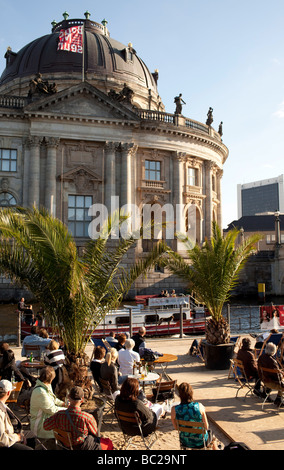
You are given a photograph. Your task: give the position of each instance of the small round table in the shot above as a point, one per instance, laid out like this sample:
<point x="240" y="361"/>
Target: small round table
<point x="37" y="365"/>
<point x="164" y="360"/>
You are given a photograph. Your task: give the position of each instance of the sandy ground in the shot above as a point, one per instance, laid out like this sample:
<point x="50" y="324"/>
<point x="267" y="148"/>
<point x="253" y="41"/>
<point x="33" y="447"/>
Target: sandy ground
<point x="167" y="435"/>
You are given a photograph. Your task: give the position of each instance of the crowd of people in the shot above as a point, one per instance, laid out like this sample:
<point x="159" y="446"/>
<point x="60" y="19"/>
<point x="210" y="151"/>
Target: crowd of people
<point x="47" y="412"/>
<point x="263" y="370"/>
<point x="115" y="365"/>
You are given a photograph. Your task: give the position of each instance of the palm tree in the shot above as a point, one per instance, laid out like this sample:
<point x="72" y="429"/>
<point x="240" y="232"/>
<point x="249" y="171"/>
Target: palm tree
<point x="212" y="272"/>
<point x="39" y="252"/>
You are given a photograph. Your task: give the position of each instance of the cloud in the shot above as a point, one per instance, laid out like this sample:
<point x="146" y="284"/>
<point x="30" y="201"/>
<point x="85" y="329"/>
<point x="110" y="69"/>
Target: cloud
<point x="280" y="113"/>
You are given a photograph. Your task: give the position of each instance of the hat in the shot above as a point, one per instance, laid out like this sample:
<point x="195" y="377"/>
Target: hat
<point x="76" y="393"/>
<point x="6" y="386"/>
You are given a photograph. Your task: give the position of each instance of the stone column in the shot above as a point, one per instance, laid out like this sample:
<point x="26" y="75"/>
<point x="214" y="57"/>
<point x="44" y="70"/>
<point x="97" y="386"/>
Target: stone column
<point x="127" y="150"/>
<point x="26" y="181"/>
<point x="208" y="165"/>
<point x="50" y="175"/>
<point x="219" y="176"/>
<point x="110" y="173"/>
<point x="34" y="171"/>
<point x="178" y="190"/>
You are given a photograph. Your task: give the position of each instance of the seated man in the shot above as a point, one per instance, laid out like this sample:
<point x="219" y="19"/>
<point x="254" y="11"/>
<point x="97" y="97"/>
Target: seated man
<point x="267" y="361"/>
<point x="9" y="439"/>
<point x="34" y="339"/>
<point x="139" y="339"/>
<point x="246" y="355"/>
<point x="80" y="424"/>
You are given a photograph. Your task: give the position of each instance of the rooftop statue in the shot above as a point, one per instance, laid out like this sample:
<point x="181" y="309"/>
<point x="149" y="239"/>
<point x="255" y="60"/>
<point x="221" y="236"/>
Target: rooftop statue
<point x="179" y="101"/>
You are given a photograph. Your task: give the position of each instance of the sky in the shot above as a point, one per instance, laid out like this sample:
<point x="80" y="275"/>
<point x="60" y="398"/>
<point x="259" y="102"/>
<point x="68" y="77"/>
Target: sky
<point x="222" y="54"/>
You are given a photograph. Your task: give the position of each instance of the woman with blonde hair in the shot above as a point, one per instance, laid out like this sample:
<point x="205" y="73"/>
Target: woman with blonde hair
<point x="109" y="371"/>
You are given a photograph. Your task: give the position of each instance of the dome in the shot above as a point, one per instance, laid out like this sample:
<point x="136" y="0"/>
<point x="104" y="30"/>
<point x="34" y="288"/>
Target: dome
<point x="106" y="61"/>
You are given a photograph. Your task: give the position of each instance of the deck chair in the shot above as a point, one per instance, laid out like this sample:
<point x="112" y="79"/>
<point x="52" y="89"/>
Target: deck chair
<point x="106" y="344"/>
<point x="268" y="386"/>
<point x="190" y="427"/>
<point x="63" y="439"/>
<point x="108" y="397"/>
<point x="97" y="342"/>
<point x="33" y="348"/>
<point x="124" y="418"/>
<point x="274" y="338"/>
<point x="241" y="377"/>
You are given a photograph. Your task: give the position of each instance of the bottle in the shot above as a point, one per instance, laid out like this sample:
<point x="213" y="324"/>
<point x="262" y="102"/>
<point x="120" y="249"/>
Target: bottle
<point x="31" y="357"/>
<point x="13" y="378"/>
<point x="134" y="368"/>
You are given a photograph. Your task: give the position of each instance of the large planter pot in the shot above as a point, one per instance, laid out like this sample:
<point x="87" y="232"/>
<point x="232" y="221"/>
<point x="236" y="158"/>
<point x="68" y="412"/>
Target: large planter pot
<point x="217" y="357"/>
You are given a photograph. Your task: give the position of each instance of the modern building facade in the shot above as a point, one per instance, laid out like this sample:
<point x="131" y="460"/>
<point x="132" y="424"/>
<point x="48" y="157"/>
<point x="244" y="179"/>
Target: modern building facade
<point x="81" y="129"/>
<point x="261" y="197"/>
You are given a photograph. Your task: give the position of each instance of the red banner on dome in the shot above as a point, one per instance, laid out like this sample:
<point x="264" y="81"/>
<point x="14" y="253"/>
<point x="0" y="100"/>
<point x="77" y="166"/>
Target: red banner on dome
<point x="71" y="39"/>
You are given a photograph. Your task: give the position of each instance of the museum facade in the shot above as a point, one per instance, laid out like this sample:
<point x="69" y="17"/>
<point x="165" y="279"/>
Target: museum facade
<point x="78" y="129"/>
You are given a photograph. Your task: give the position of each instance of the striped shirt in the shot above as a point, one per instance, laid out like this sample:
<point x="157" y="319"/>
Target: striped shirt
<point x="55" y="358"/>
<point x="84" y="424"/>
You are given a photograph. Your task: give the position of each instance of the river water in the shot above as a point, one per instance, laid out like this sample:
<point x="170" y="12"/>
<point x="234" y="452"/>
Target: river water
<point x="246" y="318"/>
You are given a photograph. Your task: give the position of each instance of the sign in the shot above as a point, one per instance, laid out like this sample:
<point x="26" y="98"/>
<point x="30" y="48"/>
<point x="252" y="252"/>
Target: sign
<point x="71" y="39"/>
<point x="168" y="301"/>
<point x="271" y="317"/>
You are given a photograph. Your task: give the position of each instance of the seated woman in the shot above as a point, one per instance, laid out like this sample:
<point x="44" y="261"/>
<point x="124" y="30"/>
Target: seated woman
<point x="126" y="359"/>
<point x="43" y="405"/>
<point x="189" y="410"/>
<point x="55" y="358"/>
<point x="109" y="371"/>
<point x="95" y="366"/>
<point x="128" y="401"/>
<point x="8" y="367"/>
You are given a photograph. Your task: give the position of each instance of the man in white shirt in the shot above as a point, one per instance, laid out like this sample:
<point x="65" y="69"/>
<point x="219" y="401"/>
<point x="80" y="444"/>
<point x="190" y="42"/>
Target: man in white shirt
<point x="8" y="437"/>
<point x="126" y="359"/>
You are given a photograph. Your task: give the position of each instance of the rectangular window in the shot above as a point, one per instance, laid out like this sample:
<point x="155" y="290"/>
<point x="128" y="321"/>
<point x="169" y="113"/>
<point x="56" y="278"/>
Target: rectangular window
<point x="8" y="160"/>
<point x="192" y="177"/>
<point x="152" y="170"/>
<point x="78" y="218"/>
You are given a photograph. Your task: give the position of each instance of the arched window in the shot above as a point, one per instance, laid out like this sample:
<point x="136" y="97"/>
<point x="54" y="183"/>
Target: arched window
<point x="7" y="199"/>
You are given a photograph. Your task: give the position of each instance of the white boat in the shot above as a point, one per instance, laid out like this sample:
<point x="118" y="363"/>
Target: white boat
<point x="160" y="317"/>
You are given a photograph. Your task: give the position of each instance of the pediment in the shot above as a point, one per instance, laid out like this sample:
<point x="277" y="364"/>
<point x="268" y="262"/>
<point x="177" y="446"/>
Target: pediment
<point x="82" y="100"/>
<point x="82" y="170"/>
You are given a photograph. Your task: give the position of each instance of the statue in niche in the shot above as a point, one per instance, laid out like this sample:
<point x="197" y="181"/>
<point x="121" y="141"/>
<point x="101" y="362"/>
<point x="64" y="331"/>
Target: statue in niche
<point x="38" y="86"/>
<point x="209" y="117"/>
<point x="179" y="102"/>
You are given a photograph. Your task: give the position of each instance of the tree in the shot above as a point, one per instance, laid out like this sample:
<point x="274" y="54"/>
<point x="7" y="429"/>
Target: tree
<point x="212" y="272"/>
<point x="39" y="252"/>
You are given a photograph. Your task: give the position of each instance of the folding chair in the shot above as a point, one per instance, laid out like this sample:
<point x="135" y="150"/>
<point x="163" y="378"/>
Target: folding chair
<point x="108" y="396"/>
<point x="191" y="427"/>
<point x="63" y="439"/>
<point x="268" y="385"/>
<point x="126" y="418"/>
<point x="14" y="395"/>
<point x="164" y="391"/>
<point x="241" y="377"/>
<point x="237" y="341"/>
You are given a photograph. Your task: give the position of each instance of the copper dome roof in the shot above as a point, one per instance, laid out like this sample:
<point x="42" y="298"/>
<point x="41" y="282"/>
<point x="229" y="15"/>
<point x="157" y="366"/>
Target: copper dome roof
<point x="103" y="57"/>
